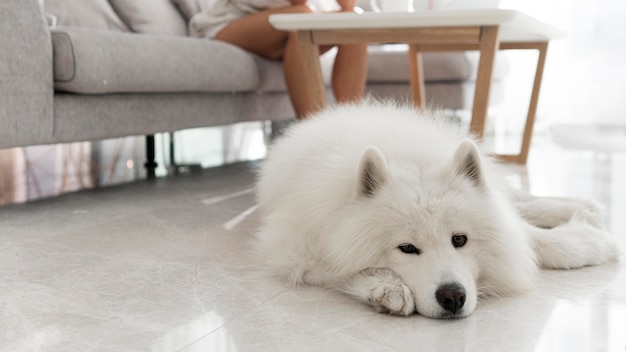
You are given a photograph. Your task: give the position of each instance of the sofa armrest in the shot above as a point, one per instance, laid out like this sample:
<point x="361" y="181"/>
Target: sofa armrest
<point x="26" y="87"/>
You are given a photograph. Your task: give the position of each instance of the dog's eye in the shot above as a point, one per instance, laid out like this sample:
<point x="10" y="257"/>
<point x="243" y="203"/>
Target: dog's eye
<point x="409" y="249"/>
<point x="459" y="240"/>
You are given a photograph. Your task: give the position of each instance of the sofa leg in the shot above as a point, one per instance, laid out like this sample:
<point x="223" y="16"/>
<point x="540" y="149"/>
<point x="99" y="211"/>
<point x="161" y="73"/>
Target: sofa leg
<point x="150" y="164"/>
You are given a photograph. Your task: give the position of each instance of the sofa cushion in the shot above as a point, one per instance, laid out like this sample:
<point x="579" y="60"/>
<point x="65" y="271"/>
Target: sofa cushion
<point x="272" y="77"/>
<point x="389" y="63"/>
<point x="99" y="61"/>
<point x="151" y="16"/>
<point x="85" y="13"/>
<point x="386" y="64"/>
<point x="191" y="7"/>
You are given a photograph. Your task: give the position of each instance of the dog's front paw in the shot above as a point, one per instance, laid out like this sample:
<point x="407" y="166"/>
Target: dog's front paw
<point x="383" y="289"/>
<point x="393" y="299"/>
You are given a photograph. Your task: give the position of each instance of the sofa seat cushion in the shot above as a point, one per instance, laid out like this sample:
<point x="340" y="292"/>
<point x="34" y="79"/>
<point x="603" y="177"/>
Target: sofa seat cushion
<point x="389" y="63"/>
<point x="191" y="7"/>
<point x="386" y="64"/>
<point x="93" y="61"/>
<point x="272" y="77"/>
<point x="151" y="16"/>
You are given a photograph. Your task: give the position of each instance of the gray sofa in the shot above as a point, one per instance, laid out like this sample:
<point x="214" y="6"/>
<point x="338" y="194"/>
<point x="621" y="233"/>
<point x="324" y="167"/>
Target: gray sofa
<point x="114" y="68"/>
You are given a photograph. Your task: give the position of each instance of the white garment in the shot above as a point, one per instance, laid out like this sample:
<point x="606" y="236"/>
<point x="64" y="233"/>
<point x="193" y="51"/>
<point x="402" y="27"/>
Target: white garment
<point x="209" y="22"/>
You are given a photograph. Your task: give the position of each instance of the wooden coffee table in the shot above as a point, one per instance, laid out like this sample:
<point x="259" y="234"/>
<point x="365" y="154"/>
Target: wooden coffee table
<point x="439" y="30"/>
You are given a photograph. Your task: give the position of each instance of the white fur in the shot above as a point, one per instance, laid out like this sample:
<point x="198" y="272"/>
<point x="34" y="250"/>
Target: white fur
<point x="343" y="190"/>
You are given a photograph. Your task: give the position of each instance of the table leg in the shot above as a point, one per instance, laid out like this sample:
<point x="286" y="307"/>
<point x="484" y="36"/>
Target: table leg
<point x="534" y="99"/>
<point x="488" y="46"/>
<point x="542" y="48"/>
<point x="311" y="62"/>
<point x="416" y="76"/>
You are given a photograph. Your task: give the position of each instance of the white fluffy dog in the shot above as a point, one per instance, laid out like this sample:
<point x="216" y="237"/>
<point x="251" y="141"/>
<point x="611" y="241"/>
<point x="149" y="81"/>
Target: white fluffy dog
<point x="401" y="210"/>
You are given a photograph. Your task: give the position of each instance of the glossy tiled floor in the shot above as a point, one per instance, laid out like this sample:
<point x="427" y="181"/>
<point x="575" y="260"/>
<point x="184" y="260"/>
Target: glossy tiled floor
<point x="165" y="266"/>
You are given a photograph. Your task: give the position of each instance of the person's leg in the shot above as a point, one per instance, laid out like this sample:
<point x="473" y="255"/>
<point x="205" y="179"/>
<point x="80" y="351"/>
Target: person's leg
<point x="350" y="73"/>
<point x="295" y="77"/>
<point x="254" y="33"/>
<point x="350" y="69"/>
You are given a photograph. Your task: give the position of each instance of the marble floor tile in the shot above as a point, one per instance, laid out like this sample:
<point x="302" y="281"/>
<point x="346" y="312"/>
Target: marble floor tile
<point x="166" y="265"/>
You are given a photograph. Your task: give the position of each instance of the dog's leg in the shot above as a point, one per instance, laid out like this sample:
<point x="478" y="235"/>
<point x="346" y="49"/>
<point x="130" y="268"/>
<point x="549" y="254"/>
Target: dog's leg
<point x="573" y="245"/>
<point x="383" y="289"/>
<point x="549" y="212"/>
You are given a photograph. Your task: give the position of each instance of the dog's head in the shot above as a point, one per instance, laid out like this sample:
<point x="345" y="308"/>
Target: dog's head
<point x="441" y="229"/>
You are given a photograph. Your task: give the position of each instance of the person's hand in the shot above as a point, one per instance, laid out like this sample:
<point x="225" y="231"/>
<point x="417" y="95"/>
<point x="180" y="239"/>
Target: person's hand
<point x="347" y="5"/>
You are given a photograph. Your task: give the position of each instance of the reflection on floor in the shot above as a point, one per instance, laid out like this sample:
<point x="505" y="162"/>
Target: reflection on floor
<point x="37" y="172"/>
<point x="164" y="265"/>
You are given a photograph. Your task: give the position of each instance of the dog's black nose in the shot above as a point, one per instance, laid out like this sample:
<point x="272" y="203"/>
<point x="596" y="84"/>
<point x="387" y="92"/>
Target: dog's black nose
<point x="451" y="297"/>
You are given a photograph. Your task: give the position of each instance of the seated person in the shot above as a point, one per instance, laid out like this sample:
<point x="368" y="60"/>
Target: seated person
<point x="245" y="23"/>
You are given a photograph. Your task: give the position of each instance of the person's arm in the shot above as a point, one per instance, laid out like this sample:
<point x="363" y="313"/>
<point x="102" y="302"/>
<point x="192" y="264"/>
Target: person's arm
<point x="297" y="2"/>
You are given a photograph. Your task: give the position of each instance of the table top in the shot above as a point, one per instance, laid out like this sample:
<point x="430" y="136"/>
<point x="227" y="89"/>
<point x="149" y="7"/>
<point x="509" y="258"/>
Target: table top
<point x="515" y="26"/>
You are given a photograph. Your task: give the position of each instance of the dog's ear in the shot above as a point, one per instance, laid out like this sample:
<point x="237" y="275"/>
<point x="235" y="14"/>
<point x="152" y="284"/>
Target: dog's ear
<point x="372" y="173"/>
<point x="467" y="163"/>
